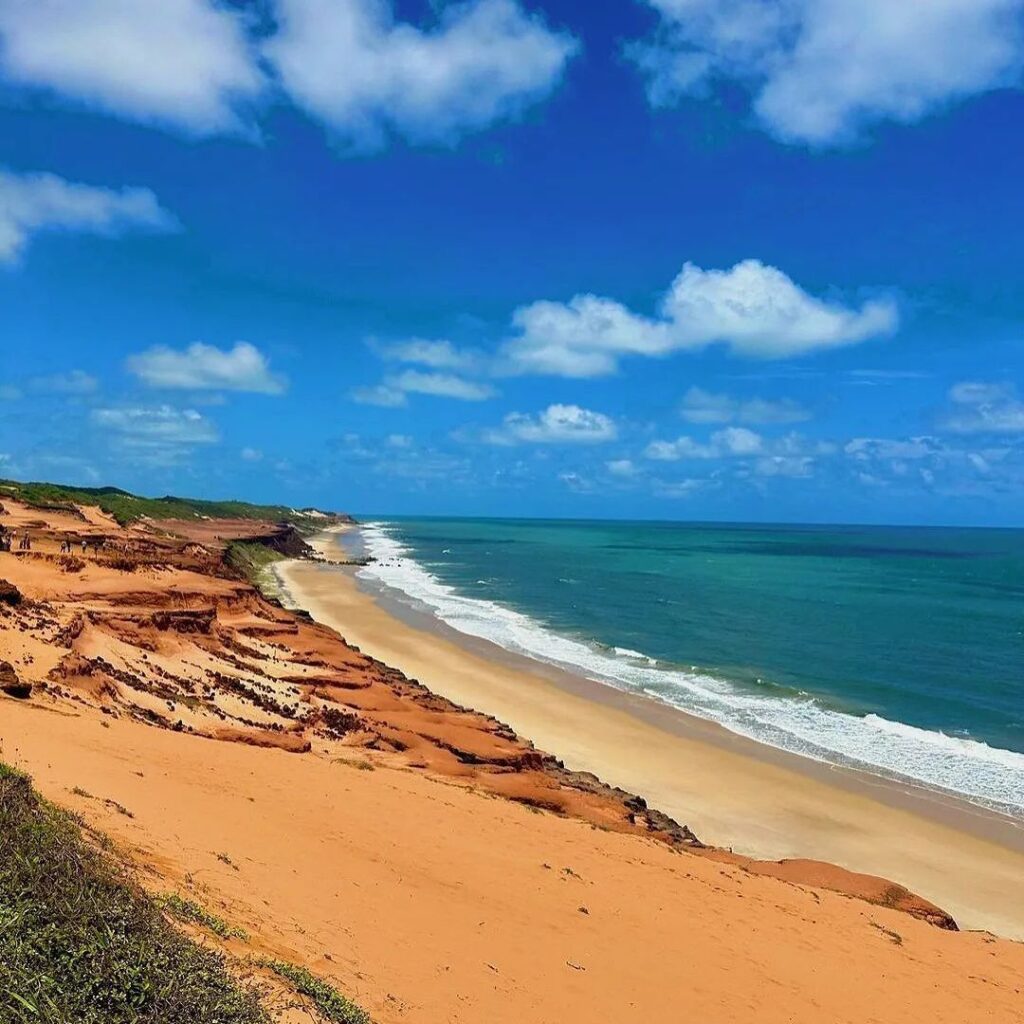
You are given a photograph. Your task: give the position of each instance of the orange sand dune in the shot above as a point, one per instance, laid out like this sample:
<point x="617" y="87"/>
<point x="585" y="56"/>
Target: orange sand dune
<point x="426" y="858"/>
<point x="435" y="903"/>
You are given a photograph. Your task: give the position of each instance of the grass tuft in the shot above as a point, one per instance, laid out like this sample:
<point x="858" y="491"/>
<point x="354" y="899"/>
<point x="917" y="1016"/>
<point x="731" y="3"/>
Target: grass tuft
<point x="192" y="913"/>
<point x="81" y="942"/>
<point x="362" y="764"/>
<point x="328" y="1000"/>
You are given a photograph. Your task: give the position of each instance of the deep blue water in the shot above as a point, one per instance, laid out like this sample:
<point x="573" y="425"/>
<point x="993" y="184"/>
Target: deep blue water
<point x="831" y="641"/>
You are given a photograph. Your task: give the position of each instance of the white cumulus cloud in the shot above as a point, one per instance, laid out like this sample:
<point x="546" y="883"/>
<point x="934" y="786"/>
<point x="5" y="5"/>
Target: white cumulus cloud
<point x="732" y="441"/>
<point x="187" y="64"/>
<point x="557" y="424"/>
<point x="368" y="76"/>
<point x="31" y="203"/>
<point x="821" y="71"/>
<point x="754" y="309"/>
<point x="203" y="367"/>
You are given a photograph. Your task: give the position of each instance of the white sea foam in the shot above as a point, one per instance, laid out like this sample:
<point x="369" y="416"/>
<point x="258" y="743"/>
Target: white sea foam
<point x="626" y="652"/>
<point x="986" y="775"/>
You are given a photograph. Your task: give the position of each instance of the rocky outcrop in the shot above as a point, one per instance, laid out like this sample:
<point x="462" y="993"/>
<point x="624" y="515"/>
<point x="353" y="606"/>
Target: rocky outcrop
<point x="9" y="594"/>
<point x="11" y="684"/>
<point x="289" y="542"/>
<point x="186" y="621"/>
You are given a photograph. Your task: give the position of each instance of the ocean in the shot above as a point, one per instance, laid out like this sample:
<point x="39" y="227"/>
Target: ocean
<point x="899" y="651"/>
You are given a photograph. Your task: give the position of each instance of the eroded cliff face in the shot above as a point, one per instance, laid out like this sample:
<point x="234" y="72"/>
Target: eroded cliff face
<point x="149" y="624"/>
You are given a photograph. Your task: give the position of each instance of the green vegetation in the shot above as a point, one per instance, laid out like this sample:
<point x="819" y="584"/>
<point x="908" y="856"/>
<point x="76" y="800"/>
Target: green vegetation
<point x="192" y="913"/>
<point x="329" y="1001"/>
<point x="79" y="941"/>
<point x="126" y="508"/>
<point x="252" y="560"/>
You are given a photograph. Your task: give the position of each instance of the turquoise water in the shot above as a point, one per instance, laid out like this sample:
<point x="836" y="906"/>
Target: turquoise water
<point x="896" y="650"/>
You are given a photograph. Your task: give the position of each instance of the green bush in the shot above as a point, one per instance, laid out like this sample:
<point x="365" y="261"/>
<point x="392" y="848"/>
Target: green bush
<point x="328" y="1000"/>
<point x="190" y="912"/>
<point x="251" y="560"/>
<point x="81" y="942"/>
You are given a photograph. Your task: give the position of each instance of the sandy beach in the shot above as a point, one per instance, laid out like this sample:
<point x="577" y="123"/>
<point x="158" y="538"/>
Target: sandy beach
<point x="430" y="861"/>
<point x="732" y="792"/>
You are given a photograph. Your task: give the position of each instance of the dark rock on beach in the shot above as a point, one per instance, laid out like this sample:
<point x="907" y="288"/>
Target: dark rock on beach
<point x="11" y="684"/>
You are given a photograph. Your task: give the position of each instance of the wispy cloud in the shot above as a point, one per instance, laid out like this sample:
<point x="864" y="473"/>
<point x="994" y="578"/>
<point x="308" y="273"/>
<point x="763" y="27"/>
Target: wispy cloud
<point x="700" y="406"/>
<point x="889" y="376"/>
<point x="159" y="426"/>
<point x="32" y="203"/>
<point x="623" y="468"/>
<point x="394" y="390"/>
<point x="980" y="407"/>
<point x="203" y="367"/>
<point x="440" y="385"/>
<point x="74" y="382"/>
<point x="577" y="483"/>
<point x="685" y="488"/>
<point x="380" y="395"/>
<point x="437" y="355"/>
<point x="822" y="71"/>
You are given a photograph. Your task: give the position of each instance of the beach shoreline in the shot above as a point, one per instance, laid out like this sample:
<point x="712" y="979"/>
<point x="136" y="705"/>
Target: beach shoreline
<point x="732" y="791"/>
<point x="325" y="810"/>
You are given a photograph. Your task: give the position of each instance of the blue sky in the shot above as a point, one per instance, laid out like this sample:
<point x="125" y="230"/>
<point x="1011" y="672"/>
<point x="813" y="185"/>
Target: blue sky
<point x="643" y="258"/>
